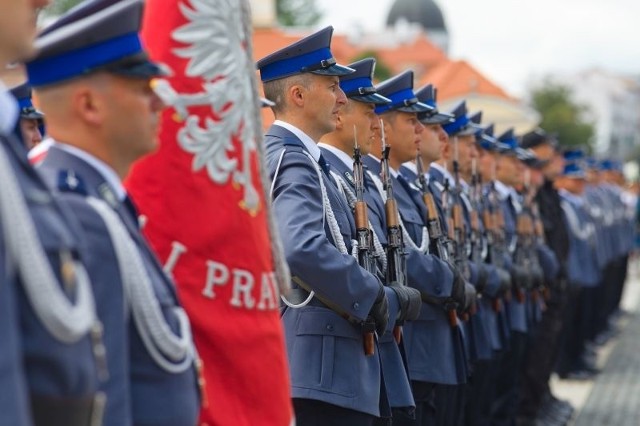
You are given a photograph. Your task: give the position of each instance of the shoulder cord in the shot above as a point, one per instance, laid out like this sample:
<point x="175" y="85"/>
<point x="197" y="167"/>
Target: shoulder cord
<point x="173" y="353"/>
<point x="327" y="214"/>
<point x="65" y="321"/>
<point x="424" y="246"/>
<point x="581" y="232"/>
<point x="351" y="199"/>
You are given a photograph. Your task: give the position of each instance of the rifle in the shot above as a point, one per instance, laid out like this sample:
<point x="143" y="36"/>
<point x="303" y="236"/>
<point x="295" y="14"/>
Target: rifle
<point x="364" y="238"/>
<point x="438" y="242"/>
<point x="494" y="217"/>
<point x="524" y="231"/>
<point x="396" y="266"/>
<point x="456" y="219"/>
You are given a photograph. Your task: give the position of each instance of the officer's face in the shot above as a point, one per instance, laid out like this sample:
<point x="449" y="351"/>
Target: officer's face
<point x="509" y="170"/>
<point x="467" y="152"/>
<point x="403" y="135"/>
<point x="322" y="100"/>
<point x="366" y="122"/>
<point x="432" y="140"/>
<point x="30" y="132"/>
<point x="486" y="164"/>
<point x="18" y="28"/>
<point x="131" y="117"/>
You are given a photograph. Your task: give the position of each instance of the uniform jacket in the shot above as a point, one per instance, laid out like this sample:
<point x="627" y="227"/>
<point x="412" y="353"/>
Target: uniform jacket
<point x="435" y="351"/>
<point x="156" y="397"/>
<point x="52" y="369"/>
<point x="325" y="351"/>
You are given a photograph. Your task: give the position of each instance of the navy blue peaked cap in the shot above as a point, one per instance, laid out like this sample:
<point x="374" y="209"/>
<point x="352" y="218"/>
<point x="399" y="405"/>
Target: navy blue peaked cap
<point x="310" y="54"/>
<point x="429" y="95"/>
<point x="509" y="145"/>
<point x="22" y="93"/>
<point x="537" y="137"/>
<point x="400" y="90"/>
<point x="359" y="85"/>
<point x="574" y="169"/>
<point x="97" y="35"/>
<point x="461" y="125"/>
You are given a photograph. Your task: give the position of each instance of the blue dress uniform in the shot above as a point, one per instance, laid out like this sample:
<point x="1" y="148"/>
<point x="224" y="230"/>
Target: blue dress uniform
<point x="324" y="344"/>
<point x="435" y="351"/>
<point x="583" y="275"/>
<point x="359" y="87"/>
<point x="510" y="375"/>
<point x="51" y="303"/>
<point x="480" y="335"/>
<point x="14" y="403"/>
<point x="146" y="385"/>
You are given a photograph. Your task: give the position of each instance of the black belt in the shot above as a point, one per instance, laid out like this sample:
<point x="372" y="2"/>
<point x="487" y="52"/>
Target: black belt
<point x="80" y="411"/>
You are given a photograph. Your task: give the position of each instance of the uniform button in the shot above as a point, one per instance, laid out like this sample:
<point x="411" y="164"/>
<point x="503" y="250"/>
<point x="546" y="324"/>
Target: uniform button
<point x="330" y="327"/>
<point x="356" y="306"/>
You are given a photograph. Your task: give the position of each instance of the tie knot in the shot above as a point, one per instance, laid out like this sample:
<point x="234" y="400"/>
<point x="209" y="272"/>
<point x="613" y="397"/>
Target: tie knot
<point x="324" y="165"/>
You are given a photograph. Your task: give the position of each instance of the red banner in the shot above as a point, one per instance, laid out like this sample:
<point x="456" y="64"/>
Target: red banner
<point x="203" y="199"/>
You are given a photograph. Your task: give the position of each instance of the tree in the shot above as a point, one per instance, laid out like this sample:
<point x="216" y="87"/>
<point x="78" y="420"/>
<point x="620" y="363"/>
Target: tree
<point x="292" y="13"/>
<point x="382" y="71"/>
<point x="562" y="115"/>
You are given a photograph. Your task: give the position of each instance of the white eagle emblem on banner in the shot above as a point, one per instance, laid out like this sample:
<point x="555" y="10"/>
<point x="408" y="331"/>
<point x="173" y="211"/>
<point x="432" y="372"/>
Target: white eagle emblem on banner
<point x="216" y="52"/>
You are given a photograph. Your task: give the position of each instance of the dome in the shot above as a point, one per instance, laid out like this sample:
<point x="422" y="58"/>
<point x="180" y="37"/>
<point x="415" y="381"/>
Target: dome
<point x="423" y="12"/>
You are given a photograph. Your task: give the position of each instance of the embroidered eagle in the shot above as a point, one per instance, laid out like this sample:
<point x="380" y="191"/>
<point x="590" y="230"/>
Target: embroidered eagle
<point x="215" y="47"/>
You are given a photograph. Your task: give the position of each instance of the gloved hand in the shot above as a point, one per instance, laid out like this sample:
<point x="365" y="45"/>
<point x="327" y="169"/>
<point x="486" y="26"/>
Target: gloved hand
<point x="458" y="292"/>
<point x="505" y="281"/>
<point x="483" y="277"/>
<point x="469" y="298"/>
<point x="537" y="276"/>
<point x="520" y="278"/>
<point x="410" y="301"/>
<point x="380" y="312"/>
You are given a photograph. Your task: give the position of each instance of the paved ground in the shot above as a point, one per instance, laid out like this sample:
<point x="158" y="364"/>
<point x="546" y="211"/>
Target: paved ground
<point x="613" y="399"/>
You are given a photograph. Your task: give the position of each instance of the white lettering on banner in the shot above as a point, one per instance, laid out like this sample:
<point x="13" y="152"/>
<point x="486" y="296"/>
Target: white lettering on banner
<point x="217" y="274"/>
<point x="242" y="285"/>
<point x="268" y="292"/>
<point x="243" y="282"/>
<point x="177" y="250"/>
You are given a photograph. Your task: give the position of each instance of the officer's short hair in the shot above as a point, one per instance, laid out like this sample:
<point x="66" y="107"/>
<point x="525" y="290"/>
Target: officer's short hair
<point x="275" y="90"/>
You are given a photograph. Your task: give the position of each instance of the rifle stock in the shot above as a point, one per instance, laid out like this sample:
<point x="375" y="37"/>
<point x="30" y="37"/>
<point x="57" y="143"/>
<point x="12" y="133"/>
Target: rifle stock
<point x="364" y="238"/>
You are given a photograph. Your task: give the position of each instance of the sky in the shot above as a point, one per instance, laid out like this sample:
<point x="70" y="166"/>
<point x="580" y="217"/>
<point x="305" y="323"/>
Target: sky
<point x="516" y="42"/>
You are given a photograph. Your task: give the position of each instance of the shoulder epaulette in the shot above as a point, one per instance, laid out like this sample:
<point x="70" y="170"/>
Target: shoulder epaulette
<point x="69" y="181"/>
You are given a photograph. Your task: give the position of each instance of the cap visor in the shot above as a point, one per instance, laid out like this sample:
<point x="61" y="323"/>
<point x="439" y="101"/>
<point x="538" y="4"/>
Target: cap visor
<point x="417" y="107"/>
<point x="335" y="69"/>
<point x="466" y="131"/>
<point x="438" y="118"/>
<point x="32" y="115"/>
<point x="372" y="98"/>
<point x="145" y="69"/>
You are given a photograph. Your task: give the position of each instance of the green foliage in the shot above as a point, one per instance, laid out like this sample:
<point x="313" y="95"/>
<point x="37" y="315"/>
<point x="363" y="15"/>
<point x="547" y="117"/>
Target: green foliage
<point x="562" y="115"/>
<point x="294" y="13"/>
<point x="58" y="7"/>
<point x="381" y="71"/>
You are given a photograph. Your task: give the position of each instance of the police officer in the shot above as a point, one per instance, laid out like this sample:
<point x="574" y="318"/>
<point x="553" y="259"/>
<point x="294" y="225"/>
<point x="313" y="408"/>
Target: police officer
<point x="103" y="115"/>
<point x="509" y="172"/>
<point x="329" y="314"/>
<point x="358" y="121"/>
<point x="435" y="349"/>
<point x="47" y="308"/>
<point x="30" y="127"/>
<point x="583" y="273"/>
<point x="543" y="354"/>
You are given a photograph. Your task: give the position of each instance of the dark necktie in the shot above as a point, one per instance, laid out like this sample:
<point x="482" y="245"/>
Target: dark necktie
<point x="131" y="209"/>
<point x="324" y="165"/>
